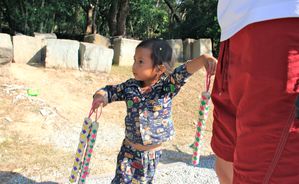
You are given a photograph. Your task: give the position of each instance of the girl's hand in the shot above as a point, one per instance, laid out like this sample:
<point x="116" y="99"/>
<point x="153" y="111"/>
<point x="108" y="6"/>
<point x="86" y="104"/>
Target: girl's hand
<point x="97" y="101"/>
<point x="205" y="60"/>
<point x="99" y="98"/>
<point x="210" y="64"/>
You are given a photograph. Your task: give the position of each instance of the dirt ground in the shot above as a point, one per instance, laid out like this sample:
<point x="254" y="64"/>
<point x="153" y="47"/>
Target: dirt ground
<point x="39" y="135"/>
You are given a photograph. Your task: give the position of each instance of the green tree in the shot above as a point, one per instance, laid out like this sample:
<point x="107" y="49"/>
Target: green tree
<point x="147" y="19"/>
<point x="130" y="18"/>
<point x="199" y="20"/>
<point x="42" y="16"/>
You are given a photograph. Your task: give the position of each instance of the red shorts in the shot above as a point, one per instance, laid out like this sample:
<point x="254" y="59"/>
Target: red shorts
<point x="255" y="88"/>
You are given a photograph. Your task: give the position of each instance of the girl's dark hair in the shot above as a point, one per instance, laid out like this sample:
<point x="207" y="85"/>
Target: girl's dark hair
<point x="161" y="52"/>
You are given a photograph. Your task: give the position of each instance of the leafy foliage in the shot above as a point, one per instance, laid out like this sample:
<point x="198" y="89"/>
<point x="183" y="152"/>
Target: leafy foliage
<point x="151" y="18"/>
<point x="147" y="19"/>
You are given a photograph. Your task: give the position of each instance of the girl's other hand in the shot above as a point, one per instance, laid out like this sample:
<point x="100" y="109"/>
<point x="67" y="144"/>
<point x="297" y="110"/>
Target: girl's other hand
<point x="210" y="64"/>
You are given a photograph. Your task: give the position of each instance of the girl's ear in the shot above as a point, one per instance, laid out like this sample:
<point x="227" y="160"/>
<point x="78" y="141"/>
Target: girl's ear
<point x="161" y="69"/>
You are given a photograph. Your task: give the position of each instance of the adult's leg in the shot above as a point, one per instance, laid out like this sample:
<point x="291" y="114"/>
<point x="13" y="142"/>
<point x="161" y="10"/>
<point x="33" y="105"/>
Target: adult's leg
<point x="224" y="125"/>
<point x="224" y="170"/>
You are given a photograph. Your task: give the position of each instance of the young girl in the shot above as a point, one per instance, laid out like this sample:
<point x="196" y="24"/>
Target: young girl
<point x="148" y="97"/>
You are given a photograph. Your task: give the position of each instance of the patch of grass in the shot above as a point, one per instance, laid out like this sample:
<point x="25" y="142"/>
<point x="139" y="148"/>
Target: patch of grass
<point x="23" y="156"/>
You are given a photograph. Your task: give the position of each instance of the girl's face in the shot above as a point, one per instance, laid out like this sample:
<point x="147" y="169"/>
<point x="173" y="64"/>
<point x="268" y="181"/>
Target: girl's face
<point x="143" y="67"/>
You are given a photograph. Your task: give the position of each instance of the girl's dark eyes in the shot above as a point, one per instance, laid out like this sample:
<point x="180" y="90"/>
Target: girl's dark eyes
<point x="138" y="61"/>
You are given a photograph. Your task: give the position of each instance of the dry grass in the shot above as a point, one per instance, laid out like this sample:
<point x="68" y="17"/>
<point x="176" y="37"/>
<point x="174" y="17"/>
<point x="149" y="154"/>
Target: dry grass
<point x="30" y="158"/>
<point x="70" y="93"/>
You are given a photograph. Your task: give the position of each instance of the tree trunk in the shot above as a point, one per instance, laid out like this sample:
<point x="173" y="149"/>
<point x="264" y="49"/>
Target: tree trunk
<point x="173" y="13"/>
<point x="158" y="3"/>
<point x="89" y="13"/>
<point x="112" y="21"/>
<point x="122" y="17"/>
<point x="132" y="29"/>
<point x="94" y="26"/>
<point x="41" y="25"/>
<point x="52" y="24"/>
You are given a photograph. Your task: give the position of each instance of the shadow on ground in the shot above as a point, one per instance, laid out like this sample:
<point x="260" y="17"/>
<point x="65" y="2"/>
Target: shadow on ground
<point x="16" y="178"/>
<point x="171" y="156"/>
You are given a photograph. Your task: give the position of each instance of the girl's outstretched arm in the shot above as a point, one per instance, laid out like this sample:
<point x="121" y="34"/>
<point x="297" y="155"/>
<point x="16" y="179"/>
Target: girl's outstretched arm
<point x="205" y="60"/>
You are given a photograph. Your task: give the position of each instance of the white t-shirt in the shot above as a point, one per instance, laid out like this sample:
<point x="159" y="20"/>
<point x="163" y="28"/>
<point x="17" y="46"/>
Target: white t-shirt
<point x="233" y="15"/>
